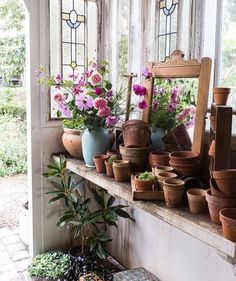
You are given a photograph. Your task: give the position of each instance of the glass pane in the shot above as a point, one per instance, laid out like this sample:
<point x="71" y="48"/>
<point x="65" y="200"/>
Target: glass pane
<point x="162" y="27"/>
<point x="162" y="47"/>
<point x="173" y="42"/>
<point x="80" y="34"/>
<point x="92" y="30"/>
<point x="174" y="18"/>
<point x="66" y="53"/>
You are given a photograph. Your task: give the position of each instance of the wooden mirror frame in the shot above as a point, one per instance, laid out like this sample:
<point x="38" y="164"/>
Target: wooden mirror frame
<point x="178" y="67"/>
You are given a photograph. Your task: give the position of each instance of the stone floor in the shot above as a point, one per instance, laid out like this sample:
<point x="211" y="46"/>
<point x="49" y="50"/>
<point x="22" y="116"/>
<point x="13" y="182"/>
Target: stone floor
<point x="14" y="256"/>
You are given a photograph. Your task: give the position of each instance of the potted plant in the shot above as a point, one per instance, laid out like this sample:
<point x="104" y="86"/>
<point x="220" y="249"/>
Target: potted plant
<point x="52" y="265"/>
<point x="87" y="223"/>
<point x="144" y="181"/>
<point x="108" y="164"/>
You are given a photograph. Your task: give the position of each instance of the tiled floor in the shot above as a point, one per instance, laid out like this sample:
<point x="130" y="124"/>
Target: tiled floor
<point x="14" y="256"/>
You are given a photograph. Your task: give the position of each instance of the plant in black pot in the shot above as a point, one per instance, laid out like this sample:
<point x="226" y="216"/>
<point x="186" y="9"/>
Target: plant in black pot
<point x="89" y="224"/>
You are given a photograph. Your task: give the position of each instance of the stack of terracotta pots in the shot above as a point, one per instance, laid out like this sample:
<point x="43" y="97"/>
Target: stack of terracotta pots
<point x="136" y="147"/>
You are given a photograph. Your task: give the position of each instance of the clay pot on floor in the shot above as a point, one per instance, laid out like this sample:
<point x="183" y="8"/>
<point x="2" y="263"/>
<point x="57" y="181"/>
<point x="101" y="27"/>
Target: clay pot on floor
<point x="159" y="157"/>
<point x="136" y="133"/>
<point x="143" y="185"/>
<point x="137" y="157"/>
<point x="164" y="176"/>
<point x="109" y="169"/>
<point x="121" y="169"/>
<point x="197" y="200"/>
<point x="226" y="180"/>
<point x="216" y="204"/>
<point x="213" y="123"/>
<point x="217" y="193"/>
<point x="173" y="192"/>
<point x="220" y="95"/>
<point x="99" y="161"/>
<point x="72" y="142"/>
<point x="186" y="170"/>
<point x="228" y="220"/>
<point x="184" y="157"/>
<point x="160" y="169"/>
<point x="212" y="148"/>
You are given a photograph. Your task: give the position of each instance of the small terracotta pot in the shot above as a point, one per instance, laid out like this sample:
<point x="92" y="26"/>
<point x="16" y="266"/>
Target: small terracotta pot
<point x="228" y="220"/>
<point x="217" y="193"/>
<point x="184" y="157"/>
<point x="114" y="152"/>
<point x="212" y="148"/>
<point x="160" y="169"/>
<point x="213" y="123"/>
<point x="221" y="95"/>
<point x="109" y="169"/>
<point x="226" y="180"/>
<point x="216" y="204"/>
<point x="121" y="169"/>
<point x="143" y="185"/>
<point x="173" y="192"/>
<point x="136" y="156"/>
<point x="197" y="200"/>
<point x="72" y="141"/>
<point x="136" y="133"/>
<point x="164" y="176"/>
<point x="186" y="169"/>
<point x="99" y="161"/>
<point x="160" y="158"/>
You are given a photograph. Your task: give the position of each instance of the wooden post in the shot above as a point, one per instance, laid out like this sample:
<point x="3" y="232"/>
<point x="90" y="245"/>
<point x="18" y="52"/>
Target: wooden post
<point x="129" y="91"/>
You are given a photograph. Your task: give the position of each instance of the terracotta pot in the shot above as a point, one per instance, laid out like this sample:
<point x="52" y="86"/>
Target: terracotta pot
<point x="186" y="169"/>
<point x="160" y="169"/>
<point x="136" y="133"/>
<point x="226" y="180"/>
<point x="164" y="176"/>
<point x="184" y="157"/>
<point x="178" y="137"/>
<point x="221" y="95"/>
<point x="142" y="184"/>
<point x="173" y="192"/>
<point x="113" y="152"/>
<point x="213" y="123"/>
<point x="72" y="142"/>
<point x="109" y="169"/>
<point x="216" y="204"/>
<point x="228" y="220"/>
<point x="197" y="200"/>
<point x="159" y="157"/>
<point x="136" y="156"/>
<point x="217" y="193"/>
<point x="121" y="169"/>
<point x="212" y="148"/>
<point x="99" y="161"/>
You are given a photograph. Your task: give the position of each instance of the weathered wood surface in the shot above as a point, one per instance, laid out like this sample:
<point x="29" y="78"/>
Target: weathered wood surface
<point x="198" y="226"/>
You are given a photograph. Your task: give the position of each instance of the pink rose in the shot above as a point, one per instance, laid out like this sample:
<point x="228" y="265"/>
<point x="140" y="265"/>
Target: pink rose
<point x="100" y="103"/>
<point x="103" y="112"/>
<point x="58" y="98"/>
<point x="95" y="78"/>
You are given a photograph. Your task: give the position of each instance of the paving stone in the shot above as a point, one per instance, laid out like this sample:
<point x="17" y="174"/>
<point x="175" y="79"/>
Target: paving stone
<point x="12" y="248"/>
<point x="22" y="264"/>
<point x="19" y="255"/>
<point x="11" y="240"/>
<point x="5" y="232"/>
<point x="4" y="258"/>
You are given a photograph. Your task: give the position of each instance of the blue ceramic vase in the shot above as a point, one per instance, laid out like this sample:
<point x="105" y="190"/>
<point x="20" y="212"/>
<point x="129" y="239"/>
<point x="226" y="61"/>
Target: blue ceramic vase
<point x="94" y="142"/>
<point x="156" y="137"/>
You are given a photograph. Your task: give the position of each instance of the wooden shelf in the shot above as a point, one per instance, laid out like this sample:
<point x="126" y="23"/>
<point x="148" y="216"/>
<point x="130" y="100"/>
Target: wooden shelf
<point x="198" y="226"/>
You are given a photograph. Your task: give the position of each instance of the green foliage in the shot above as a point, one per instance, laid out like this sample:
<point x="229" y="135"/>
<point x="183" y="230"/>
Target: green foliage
<point x="78" y="213"/>
<point x="49" y="265"/>
<point x="76" y="124"/>
<point x="112" y="159"/>
<point x="146" y="176"/>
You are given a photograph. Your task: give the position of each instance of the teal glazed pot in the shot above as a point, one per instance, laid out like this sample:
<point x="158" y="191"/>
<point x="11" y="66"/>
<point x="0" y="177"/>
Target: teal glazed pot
<point x="94" y="142"/>
<point x="156" y="137"/>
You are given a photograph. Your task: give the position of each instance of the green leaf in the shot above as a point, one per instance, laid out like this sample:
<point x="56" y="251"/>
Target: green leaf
<point x="100" y="251"/>
<point x="124" y="214"/>
<point x="98" y="198"/>
<point x="54" y="192"/>
<point x="111" y="201"/>
<point x="54" y="199"/>
<point x="64" y="219"/>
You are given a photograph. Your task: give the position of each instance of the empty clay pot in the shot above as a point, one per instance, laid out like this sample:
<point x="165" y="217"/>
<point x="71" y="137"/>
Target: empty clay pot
<point x="121" y="169"/>
<point x="216" y="204"/>
<point x="217" y="193"/>
<point x="142" y="184"/>
<point x="164" y="176"/>
<point x="173" y="192"/>
<point x="136" y="156"/>
<point x="72" y="142"/>
<point x="159" y="157"/>
<point x="184" y="157"/>
<point x="136" y="133"/>
<point x="197" y="200"/>
<point x="228" y="220"/>
<point x="109" y="169"/>
<point x="226" y="180"/>
<point x="186" y="169"/>
<point x="212" y="148"/>
<point x="213" y="123"/>
<point x="221" y="95"/>
<point x="99" y="161"/>
<point x="160" y="169"/>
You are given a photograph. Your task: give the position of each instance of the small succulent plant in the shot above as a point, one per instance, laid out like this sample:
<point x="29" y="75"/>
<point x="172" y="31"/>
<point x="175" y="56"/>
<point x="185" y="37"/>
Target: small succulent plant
<point x="112" y="159"/>
<point x="146" y="176"/>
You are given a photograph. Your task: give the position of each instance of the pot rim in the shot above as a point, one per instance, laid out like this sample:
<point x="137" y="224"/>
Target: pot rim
<point x="185" y="165"/>
<point x="174" y="182"/>
<point x="170" y="175"/>
<point x="230" y="173"/>
<point x="201" y="190"/>
<point x="119" y="163"/>
<point x="142" y="181"/>
<point x="175" y="156"/>
<point x="159" y="153"/>
<point x="135" y="122"/>
<point x="134" y="148"/>
<point x="100" y="157"/>
<point x="218" y="200"/>
<point x="225" y="217"/>
<point x="163" y="168"/>
<point x="221" y="90"/>
<point x="72" y="131"/>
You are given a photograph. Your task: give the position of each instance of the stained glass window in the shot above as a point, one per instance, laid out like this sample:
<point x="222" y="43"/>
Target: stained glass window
<point x="167" y="36"/>
<point x="73" y="36"/>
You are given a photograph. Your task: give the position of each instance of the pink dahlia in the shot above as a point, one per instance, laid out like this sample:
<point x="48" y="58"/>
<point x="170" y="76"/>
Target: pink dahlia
<point x="100" y="103"/>
<point x="103" y="112"/>
<point x="58" y="98"/>
<point x="84" y="102"/>
<point x="111" y="121"/>
<point x="95" y="78"/>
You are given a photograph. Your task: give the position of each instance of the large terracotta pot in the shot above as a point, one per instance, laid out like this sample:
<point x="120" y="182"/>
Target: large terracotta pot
<point x="184" y="157"/>
<point x="226" y="180"/>
<point x="217" y="193"/>
<point x="159" y="157"/>
<point x="137" y="157"/>
<point x="136" y="133"/>
<point x="186" y="170"/>
<point x="221" y="95"/>
<point x="72" y="142"/>
<point x="228" y="220"/>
